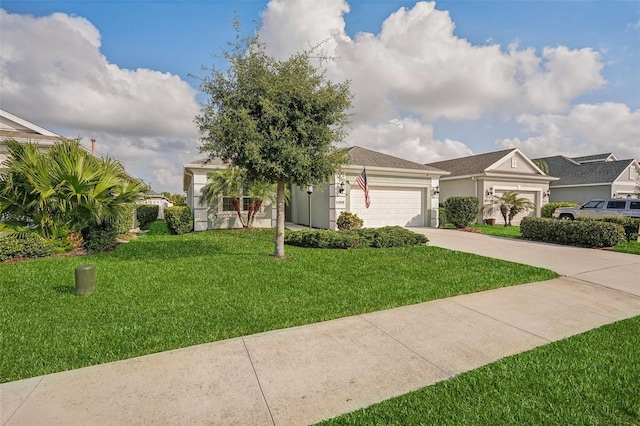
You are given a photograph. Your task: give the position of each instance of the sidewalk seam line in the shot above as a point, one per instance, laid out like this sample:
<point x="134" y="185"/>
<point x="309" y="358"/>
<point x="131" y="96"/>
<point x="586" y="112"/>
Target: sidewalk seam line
<point x="255" y="373"/>
<point x="448" y="373"/>
<point x="503" y="322"/>
<point x="24" y="400"/>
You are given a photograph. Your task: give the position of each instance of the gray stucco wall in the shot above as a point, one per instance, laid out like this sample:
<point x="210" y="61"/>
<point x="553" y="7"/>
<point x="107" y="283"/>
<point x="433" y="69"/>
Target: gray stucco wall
<point x="579" y="194"/>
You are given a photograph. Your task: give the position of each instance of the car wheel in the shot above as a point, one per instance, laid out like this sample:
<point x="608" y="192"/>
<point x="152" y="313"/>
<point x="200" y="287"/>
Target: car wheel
<point x="566" y="217"/>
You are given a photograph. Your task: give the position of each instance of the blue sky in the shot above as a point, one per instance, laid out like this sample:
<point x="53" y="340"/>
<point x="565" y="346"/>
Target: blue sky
<point x="573" y="69"/>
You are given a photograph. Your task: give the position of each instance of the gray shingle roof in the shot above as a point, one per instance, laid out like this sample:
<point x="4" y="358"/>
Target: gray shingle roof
<point x="572" y="173"/>
<point x="216" y="161"/>
<point x="596" y="157"/>
<point x="473" y="165"/>
<point x="366" y="157"/>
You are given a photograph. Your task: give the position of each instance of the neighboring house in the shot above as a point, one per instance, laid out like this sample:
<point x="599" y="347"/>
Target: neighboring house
<point x="595" y="176"/>
<point x="492" y="174"/>
<point x="159" y="200"/>
<point x="14" y="127"/>
<point x="401" y="193"/>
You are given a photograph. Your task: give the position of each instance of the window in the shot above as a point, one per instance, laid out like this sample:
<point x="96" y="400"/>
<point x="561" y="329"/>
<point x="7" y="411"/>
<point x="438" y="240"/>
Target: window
<point x="634" y="205"/>
<point x="593" y="205"/>
<point x="514" y="162"/>
<point x="227" y="204"/>
<point x="616" y="204"/>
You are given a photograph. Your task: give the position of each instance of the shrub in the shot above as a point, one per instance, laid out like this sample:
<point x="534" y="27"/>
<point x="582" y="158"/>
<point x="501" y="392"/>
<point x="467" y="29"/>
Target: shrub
<point x="389" y="236"/>
<point x="100" y="238"/>
<point x="348" y="220"/>
<point x="123" y="221"/>
<point x="29" y="246"/>
<point x="179" y="219"/>
<point x="585" y="233"/>
<point x="146" y="213"/>
<point x="630" y="224"/>
<point x="461" y="211"/>
<point x="549" y="208"/>
<point x="442" y="216"/>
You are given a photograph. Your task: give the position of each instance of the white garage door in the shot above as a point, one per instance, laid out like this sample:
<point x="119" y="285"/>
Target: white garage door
<point x="389" y="206"/>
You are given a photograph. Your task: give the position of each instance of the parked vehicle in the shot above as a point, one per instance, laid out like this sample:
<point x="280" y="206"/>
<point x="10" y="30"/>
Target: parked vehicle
<point x="598" y="208"/>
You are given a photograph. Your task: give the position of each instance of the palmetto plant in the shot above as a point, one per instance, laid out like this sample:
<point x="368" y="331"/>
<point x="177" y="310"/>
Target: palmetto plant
<point x="509" y="205"/>
<point x="61" y="190"/>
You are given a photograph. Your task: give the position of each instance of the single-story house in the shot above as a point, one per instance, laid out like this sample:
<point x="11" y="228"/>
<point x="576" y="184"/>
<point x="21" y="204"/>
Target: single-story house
<point x="401" y="192"/>
<point x="590" y="177"/>
<point x="492" y="174"/>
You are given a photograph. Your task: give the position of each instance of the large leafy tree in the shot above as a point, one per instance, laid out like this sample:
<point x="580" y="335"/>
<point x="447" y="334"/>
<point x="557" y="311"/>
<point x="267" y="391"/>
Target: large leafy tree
<point x="61" y="190"/>
<point x="278" y="120"/>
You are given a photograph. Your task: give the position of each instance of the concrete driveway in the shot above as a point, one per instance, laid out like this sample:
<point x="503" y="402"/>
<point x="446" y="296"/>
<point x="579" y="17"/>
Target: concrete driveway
<point x="301" y="375"/>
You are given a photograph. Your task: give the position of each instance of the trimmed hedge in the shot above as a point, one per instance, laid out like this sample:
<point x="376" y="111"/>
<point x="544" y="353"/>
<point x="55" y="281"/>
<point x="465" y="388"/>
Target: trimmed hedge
<point x="348" y="220"/>
<point x="146" y="213"/>
<point x="630" y="224"/>
<point x="549" y="208"/>
<point x="100" y="238"/>
<point x="123" y="222"/>
<point x="461" y="211"/>
<point x="179" y="219"/>
<point x="31" y="246"/>
<point x="388" y="236"/>
<point x="583" y="233"/>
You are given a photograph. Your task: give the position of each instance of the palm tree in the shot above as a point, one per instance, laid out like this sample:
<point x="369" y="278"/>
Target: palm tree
<point x="509" y="205"/>
<point x="232" y="183"/>
<point x="62" y="190"/>
<point x="542" y="165"/>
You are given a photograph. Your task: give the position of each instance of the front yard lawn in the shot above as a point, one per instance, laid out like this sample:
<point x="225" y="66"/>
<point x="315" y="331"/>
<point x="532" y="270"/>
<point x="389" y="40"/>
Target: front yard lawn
<point x="631" y="247"/>
<point x="588" y="379"/>
<point x="161" y="292"/>
<point x="499" y="230"/>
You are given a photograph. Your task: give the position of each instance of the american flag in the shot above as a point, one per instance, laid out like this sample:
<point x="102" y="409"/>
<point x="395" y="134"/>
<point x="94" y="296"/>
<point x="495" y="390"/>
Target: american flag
<point x="361" y="180"/>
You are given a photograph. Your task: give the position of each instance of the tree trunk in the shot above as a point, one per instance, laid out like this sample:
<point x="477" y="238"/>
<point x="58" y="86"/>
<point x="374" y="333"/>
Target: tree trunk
<point x="236" y="205"/>
<point x="279" y="251"/>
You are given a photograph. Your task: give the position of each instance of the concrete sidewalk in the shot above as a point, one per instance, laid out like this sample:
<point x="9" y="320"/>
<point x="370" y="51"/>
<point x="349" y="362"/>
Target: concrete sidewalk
<point x="305" y="374"/>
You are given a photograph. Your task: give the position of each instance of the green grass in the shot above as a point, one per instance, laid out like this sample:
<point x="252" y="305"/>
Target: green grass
<point x="499" y="230"/>
<point x="632" y="247"/>
<point x="161" y="292"/>
<point x="588" y="379"/>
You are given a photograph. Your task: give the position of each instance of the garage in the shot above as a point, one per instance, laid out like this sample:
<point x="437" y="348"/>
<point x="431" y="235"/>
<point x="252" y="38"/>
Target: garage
<point x="389" y="206"/>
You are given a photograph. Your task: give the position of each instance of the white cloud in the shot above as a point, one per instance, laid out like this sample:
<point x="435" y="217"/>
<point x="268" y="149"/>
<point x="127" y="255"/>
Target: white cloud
<point x="586" y="129"/>
<point x="53" y="73"/>
<point x="406" y="138"/>
<point x="416" y="64"/>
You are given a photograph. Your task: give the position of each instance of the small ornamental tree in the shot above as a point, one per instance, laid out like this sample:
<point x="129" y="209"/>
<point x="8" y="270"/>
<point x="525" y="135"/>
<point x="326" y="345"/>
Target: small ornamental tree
<point x="279" y="121"/>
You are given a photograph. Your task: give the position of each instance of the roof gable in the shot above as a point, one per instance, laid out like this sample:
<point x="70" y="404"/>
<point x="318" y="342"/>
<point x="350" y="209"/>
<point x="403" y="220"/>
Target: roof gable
<point x="497" y="161"/>
<point x="12" y="123"/>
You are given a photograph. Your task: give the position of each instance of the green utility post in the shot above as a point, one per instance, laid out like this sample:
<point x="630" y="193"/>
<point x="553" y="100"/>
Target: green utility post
<point x="85" y="279"/>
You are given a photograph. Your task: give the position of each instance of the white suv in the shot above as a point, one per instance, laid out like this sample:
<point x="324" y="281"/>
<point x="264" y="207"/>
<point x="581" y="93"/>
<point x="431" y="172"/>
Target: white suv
<point x="598" y="208"/>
